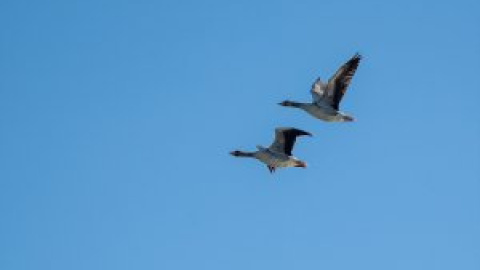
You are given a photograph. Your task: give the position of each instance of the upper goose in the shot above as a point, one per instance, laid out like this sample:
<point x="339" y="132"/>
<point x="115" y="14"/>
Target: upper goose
<point x="327" y="97"/>
<point x="279" y="154"/>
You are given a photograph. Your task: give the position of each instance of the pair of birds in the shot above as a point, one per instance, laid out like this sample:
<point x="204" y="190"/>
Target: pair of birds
<point x="325" y="106"/>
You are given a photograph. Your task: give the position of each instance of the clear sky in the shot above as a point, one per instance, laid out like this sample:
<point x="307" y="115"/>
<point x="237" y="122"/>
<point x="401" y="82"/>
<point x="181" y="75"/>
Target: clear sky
<point x="116" y="119"/>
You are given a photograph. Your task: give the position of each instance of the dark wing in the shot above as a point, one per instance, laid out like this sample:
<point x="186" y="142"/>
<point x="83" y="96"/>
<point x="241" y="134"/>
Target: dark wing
<point x="338" y="83"/>
<point x="285" y="139"/>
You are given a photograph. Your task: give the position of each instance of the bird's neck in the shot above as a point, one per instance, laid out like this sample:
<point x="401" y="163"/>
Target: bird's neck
<point x="245" y="154"/>
<point x="295" y="104"/>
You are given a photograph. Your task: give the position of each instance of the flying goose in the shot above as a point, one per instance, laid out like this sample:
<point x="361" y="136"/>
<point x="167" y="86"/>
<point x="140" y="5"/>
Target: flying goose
<point x="327" y="97"/>
<point x="279" y="154"/>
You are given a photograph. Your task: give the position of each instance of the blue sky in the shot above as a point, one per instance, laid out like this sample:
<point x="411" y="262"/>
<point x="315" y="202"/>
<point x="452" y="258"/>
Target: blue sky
<point x="117" y="117"/>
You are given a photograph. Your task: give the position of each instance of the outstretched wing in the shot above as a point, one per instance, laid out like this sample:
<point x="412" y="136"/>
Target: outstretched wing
<point x="285" y="139"/>
<point x="338" y="83"/>
<point x="318" y="90"/>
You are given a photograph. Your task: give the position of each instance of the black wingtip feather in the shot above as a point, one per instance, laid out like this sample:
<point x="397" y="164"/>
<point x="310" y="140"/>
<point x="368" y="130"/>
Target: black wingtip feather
<point x="291" y="135"/>
<point x="356" y="58"/>
<point x="299" y="132"/>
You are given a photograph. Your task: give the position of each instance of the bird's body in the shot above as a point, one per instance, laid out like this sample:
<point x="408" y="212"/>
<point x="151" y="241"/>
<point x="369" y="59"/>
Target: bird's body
<point x="279" y="154"/>
<point x="275" y="159"/>
<point x="327" y="97"/>
<point x="321" y="111"/>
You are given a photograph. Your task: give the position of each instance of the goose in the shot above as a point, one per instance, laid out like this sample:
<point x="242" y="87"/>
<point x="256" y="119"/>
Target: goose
<point x="327" y="97"/>
<point x="279" y="154"/>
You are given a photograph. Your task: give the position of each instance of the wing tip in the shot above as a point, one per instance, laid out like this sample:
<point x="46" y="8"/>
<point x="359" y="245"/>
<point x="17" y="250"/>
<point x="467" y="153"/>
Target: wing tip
<point x="296" y="131"/>
<point x="358" y="56"/>
<point x="306" y="133"/>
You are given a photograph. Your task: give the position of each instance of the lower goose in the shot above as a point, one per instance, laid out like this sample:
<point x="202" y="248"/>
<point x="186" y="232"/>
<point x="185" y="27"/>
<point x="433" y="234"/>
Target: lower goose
<point x="279" y="154"/>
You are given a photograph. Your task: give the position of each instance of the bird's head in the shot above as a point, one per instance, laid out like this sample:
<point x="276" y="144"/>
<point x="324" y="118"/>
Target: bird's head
<point x="286" y="103"/>
<point x="236" y="153"/>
